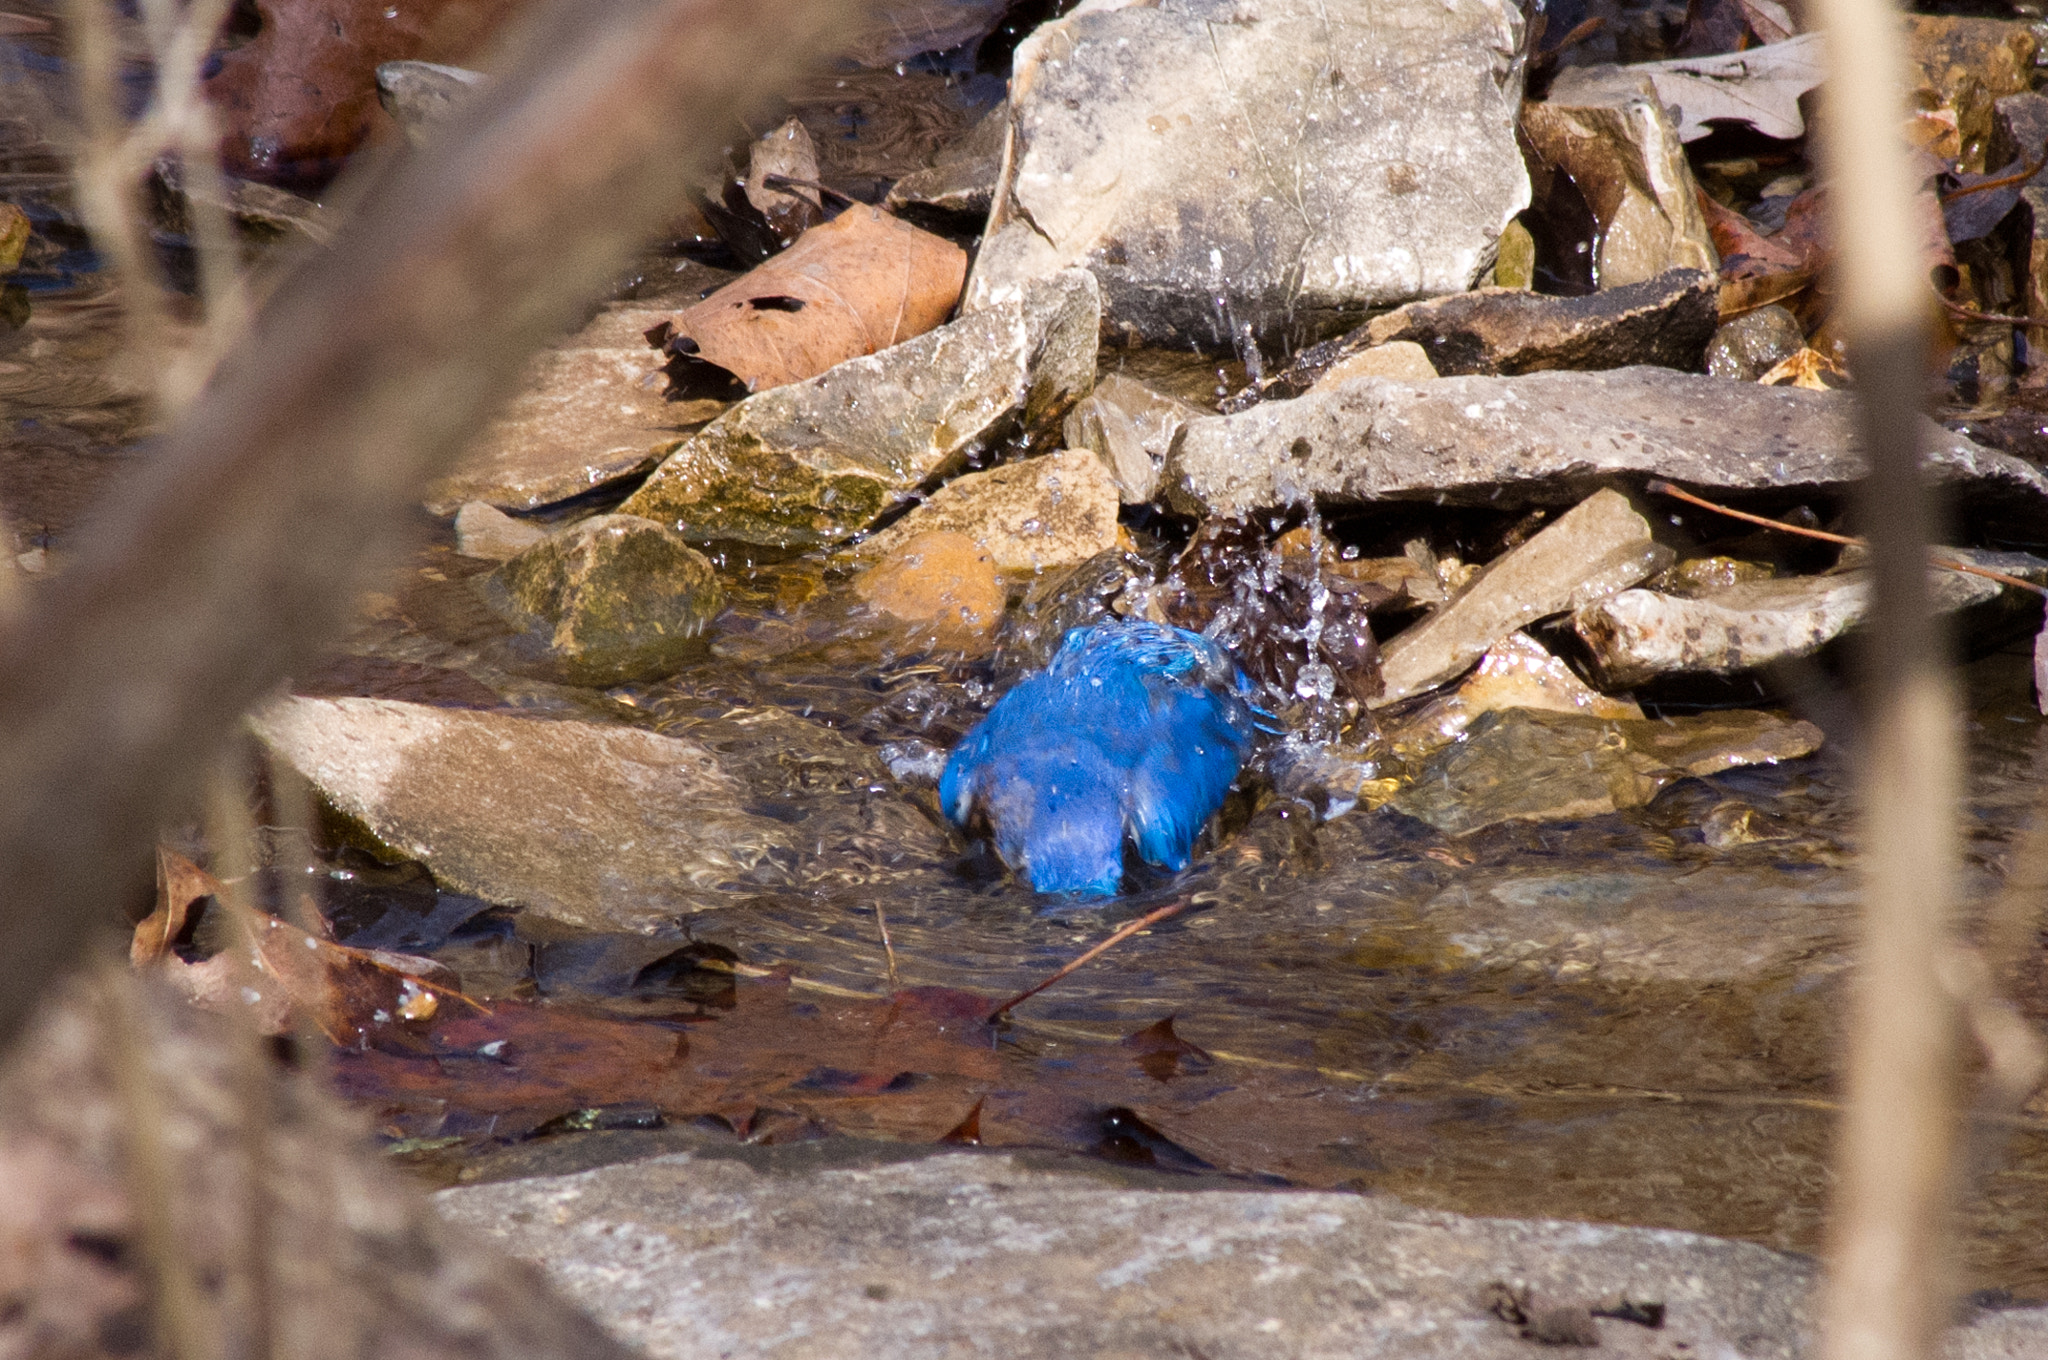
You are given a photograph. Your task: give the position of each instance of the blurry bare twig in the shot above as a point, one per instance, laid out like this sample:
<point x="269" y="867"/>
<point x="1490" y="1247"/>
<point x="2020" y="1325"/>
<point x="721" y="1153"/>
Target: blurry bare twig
<point x="1122" y="933"/>
<point x="233" y="833"/>
<point x="239" y="549"/>
<point x="115" y="159"/>
<point x="1890" y="1269"/>
<point x="173" y="1285"/>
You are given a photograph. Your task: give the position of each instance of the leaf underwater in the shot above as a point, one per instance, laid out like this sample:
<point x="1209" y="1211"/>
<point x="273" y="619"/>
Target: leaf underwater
<point x="860" y="283"/>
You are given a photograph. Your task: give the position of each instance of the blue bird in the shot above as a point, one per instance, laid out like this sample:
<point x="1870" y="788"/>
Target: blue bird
<point x="1134" y="732"/>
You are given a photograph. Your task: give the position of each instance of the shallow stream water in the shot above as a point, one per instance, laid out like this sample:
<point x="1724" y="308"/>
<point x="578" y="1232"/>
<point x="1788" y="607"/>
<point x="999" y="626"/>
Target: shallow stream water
<point x="1603" y="1019"/>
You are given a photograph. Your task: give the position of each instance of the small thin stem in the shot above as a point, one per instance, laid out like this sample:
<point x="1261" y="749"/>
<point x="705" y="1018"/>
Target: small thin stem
<point x="1124" y="933"/>
<point x="1958" y="310"/>
<point x="2002" y="182"/>
<point x="1659" y="487"/>
<point x="882" y="924"/>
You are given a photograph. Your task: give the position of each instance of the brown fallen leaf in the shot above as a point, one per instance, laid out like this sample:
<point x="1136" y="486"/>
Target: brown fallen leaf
<point x="860" y="283"/>
<point x="298" y="98"/>
<point x="1809" y="368"/>
<point x="271" y="969"/>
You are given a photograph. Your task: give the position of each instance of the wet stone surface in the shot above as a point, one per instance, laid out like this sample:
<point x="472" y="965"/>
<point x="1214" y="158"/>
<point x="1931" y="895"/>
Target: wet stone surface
<point x="609" y="599"/>
<point x="815" y="462"/>
<point x="1030" y="516"/>
<point x="585" y="415"/>
<point x="598" y="827"/>
<point x="823" y="1252"/>
<point x="1545" y="437"/>
<point x="1350" y="159"/>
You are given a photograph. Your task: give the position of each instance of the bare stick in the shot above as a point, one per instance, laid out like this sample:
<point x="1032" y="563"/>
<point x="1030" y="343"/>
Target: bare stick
<point x="1971" y="314"/>
<point x="1659" y="487"/>
<point x="1123" y="933"/>
<point x="174" y="1296"/>
<point x="2002" y="182"/>
<point x="237" y="553"/>
<point x="237" y="862"/>
<point x="1891" y="1271"/>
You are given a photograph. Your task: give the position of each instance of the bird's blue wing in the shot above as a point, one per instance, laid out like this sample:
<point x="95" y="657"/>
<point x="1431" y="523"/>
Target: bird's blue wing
<point x="1198" y="742"/>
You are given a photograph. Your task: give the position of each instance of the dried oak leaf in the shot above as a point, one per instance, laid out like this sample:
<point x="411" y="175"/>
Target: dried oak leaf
<point x="862" y="282"/>
<point x="348" y="993"/>
<point x="301" y="95"/>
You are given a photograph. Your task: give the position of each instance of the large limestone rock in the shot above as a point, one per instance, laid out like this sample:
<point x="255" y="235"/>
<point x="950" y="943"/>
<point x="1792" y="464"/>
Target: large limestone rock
<point x="775" y="1252"/>
<point x="1281" y="166"/>
<point x="599" y="827"/>
<point x="816" y="462"/>
<point x="1548" y="438"/>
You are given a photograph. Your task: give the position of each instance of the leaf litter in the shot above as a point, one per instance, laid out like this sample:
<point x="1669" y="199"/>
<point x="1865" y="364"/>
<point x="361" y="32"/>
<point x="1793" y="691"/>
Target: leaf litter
<point x="858" y="284"/>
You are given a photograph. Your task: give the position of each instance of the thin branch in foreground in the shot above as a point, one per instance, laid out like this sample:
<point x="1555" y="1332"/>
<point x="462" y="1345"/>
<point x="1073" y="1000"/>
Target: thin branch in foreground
<point x="235" y="554"/>
<point x="2025" y="173"/>
<point x="1125" y="932"/>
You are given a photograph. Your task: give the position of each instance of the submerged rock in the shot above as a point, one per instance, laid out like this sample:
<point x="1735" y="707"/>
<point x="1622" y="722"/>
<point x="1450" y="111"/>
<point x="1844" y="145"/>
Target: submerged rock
<point x="599" y="827"/>
<point x="1547" y="438"/>
<point x="1054" y="511"/>
<point x="1666" y="320"/>
<point x="1754" y="343"/>
<point x="1598" y="547"/>
<point x="1516" y="672"/>
<point x="1130" y="427"/>
<point x="940" y="585"/>
<point x="485" y="532"/>
<point x="1519" y="764"/>
<point x="1284" y="166"/>
<point x="607" y="600"/>
<point x="816" y="462"/>
<point x="1637" y="635"/>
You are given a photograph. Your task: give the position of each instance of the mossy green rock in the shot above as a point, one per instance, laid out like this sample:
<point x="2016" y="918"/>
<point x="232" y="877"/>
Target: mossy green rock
<point x="814" y="463"/>
<point x="607" y="600"/>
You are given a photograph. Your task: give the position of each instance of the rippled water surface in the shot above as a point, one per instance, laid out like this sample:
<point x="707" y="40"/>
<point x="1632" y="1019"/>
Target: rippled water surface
<point x="1603" y="1019"/>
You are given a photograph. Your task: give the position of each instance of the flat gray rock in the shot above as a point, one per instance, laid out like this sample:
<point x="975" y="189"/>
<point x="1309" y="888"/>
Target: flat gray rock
<point x="1637" y="635"/>
<point x="596" y="826"/>
<point x="1002" y="1255"/>
<point x="1282" y="166"/>
<point x="585" y="415"/>
<point x="1547" y="438"/>
<point x="1599" y="546"/>
<point x="813" y="463"/>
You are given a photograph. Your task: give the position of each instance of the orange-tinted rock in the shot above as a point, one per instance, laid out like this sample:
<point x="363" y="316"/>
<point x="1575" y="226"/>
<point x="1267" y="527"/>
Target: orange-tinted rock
<point x="940" y="581"/>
